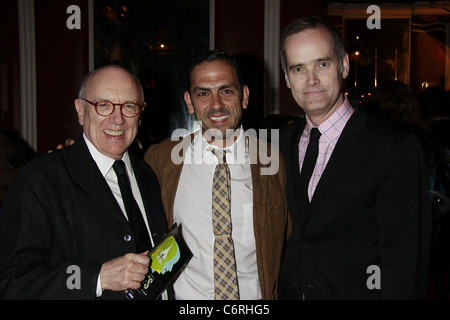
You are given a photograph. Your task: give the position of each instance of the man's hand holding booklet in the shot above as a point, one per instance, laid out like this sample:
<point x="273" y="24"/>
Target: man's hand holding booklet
<point x="167" y="260"/>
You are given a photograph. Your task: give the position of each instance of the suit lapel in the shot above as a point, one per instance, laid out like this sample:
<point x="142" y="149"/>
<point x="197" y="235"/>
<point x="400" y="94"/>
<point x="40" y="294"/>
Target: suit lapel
<point x="144" y="188"/>
<point x="295" y="169"/>
<point x="172" y="173"/>
<point x="342" y="152"/>
<point x="85" y="173"/>
<point x="259" y="186"/>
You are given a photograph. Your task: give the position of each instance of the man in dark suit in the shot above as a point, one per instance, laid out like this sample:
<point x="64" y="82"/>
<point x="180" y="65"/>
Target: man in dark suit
<point x="67" y="231"/>
<point x="360" y="222"/>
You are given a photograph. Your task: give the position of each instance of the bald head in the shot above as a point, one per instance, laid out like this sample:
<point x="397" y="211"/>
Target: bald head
<point x="110" y="70"/>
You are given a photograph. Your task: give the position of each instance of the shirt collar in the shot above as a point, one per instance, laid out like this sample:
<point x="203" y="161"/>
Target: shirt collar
<point x="236" y="153"/>
<point x="103" y="162"/>
<point x="332" y="127"/>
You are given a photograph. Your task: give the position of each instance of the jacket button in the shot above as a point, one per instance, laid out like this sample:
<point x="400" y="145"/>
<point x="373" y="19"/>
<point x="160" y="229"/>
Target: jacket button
<point x="127" y="237"/>
<point x="304" y="244"/>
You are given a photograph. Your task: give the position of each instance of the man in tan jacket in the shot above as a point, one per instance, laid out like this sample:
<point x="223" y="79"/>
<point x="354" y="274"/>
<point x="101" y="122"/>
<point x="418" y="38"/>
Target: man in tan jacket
<point x="185" y="172"/>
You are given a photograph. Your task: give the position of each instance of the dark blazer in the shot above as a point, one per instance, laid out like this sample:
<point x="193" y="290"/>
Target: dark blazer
<point x="369" y="209"/>
<point x="60" y="212"/>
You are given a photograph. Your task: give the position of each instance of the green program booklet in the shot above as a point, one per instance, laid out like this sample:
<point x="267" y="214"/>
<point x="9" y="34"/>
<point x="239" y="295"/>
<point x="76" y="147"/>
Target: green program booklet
<point x="167" y="260"/>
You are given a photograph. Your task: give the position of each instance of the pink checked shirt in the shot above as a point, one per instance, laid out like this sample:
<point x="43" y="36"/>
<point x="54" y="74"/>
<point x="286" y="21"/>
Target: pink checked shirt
<point x="331" y="130"/>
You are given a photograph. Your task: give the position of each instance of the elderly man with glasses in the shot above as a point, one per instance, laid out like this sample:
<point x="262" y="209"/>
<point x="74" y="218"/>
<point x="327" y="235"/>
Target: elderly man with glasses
<point x="78" y="222"/>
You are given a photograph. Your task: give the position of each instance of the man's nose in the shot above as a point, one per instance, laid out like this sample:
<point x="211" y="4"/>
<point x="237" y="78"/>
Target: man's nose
<point x="216" y="101"/>
<point x="117" y="115"/>
<point x="312" y="79"/>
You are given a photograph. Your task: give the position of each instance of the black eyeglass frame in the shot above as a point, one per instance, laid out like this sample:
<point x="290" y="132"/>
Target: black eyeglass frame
<point x="140" y="107"/>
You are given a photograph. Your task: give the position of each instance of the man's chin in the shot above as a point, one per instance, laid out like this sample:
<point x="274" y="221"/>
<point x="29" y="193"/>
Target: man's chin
<point x="220" y="137"/>
<point x="114" y="151"/>
<point x="218" y="133"/>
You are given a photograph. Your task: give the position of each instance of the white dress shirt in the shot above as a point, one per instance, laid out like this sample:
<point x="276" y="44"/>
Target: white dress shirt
<point x="193" y="209"/>
<point x="104" y="164"/>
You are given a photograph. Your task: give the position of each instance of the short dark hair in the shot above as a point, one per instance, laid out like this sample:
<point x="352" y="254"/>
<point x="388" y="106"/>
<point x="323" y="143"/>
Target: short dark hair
<point x="308" y="23"/>
<point x="211" y="56"/>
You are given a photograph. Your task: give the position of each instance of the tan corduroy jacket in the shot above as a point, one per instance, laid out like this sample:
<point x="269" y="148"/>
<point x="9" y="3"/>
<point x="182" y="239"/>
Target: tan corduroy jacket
<point x="269" y="205"/>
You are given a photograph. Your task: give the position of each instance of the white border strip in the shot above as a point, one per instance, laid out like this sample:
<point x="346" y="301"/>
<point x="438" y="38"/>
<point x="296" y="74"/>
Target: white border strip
<point x="27" y="53"/>
<point x="272" y="56"/>
<point x="447" y="58"/>
<point x="212" y="24"/>
<point x="91" y="34"/>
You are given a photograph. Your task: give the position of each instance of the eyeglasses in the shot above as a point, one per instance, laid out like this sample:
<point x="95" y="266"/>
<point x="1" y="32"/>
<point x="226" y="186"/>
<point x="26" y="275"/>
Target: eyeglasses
<point x="106" y="108"/>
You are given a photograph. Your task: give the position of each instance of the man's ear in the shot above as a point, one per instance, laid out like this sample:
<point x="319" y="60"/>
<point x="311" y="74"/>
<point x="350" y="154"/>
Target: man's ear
<point x="345" y="66"/>
<point x="245" y="96"/>
<point x="142" y="110"/>
<point x="288" y="83"/>
<point x="80" y="110"/>
<point x="187" y="99"/>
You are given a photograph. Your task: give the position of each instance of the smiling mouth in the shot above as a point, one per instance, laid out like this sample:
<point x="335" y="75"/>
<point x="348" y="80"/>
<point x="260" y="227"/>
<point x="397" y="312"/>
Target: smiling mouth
<point x="115" y="133"/>
<point x="221" y="118"/>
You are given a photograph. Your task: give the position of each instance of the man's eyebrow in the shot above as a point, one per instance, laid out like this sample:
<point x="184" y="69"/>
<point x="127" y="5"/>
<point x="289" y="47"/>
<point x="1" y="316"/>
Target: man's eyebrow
<point x="296" y="65"/>
<point x="227" y="86"/>
<point x="200" y="89"/>
<point x="314" y="61"/>
<point x="224" y="86"/>
<point x="325" y="59"/>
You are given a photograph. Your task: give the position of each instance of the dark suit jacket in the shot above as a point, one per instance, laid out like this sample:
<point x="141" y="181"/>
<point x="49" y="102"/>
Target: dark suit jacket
<point x="269" y="206"/>
<point x="369" y="209"/>
<point x="61" y="212"/>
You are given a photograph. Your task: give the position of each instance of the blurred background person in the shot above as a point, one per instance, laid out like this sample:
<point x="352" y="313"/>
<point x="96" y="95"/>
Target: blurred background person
<point x="395" y="101"/>
<point x="15" y="152"/>
<point x="435" y="105"/>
